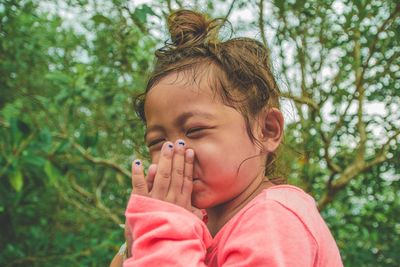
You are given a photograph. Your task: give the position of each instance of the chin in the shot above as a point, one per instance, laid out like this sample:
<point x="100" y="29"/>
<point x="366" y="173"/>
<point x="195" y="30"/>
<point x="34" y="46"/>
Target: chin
<point x="205" y="202"/>
<point x="201" y="202"/>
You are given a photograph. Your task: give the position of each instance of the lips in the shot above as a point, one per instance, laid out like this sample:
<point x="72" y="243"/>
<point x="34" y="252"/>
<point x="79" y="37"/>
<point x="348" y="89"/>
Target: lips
<point x="196" y="181"/>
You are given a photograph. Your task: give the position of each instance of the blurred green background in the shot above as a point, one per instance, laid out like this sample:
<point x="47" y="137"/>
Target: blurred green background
<point x="68" y="132"/>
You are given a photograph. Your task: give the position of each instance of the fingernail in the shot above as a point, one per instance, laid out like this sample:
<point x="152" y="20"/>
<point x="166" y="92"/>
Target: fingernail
<point x="181" y="142"/>
<point x="136" y="166"/>
<point x="168" y="149"/>
<point x="190" y="153"/>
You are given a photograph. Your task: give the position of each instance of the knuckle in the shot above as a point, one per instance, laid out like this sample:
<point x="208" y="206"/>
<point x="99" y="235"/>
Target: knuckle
<point x="189" y="176"/>
<point x="165" y="175"/>
<point x="179" y="171"/>
<point x="139" y="186"/>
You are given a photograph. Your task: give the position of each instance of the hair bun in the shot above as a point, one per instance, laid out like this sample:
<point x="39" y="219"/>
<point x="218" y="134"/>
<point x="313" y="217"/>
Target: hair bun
<point x="190" y="28"/>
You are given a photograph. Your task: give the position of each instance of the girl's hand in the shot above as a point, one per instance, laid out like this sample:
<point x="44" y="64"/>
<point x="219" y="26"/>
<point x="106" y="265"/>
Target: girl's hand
<point x="117" y="261"/>
<point x="171" y="179"/>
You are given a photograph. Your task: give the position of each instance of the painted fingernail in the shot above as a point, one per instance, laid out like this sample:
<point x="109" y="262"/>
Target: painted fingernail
<point x="136" y="166"/>
<point x="181" y="142"/>
<point x="168" y="149"/>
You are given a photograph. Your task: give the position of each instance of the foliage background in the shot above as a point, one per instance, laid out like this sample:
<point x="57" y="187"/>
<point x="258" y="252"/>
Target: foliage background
<point x="68" y="132"/>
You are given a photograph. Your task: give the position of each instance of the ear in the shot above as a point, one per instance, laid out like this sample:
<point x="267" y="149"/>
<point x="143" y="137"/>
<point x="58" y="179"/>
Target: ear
<point x="270" y="130"/>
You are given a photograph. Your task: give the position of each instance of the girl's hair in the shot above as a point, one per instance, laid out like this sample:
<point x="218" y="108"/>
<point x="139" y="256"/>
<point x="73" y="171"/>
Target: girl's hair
<point x="244" y="79"/>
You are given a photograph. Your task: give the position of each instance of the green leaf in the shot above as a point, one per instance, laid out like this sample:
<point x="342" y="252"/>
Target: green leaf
<point x="17" y="180"/>
<point x="142" y="12"/>
<point x="99" y="19"/>
<point x="45" y="139"/>
<point x="15" y="132"/>
<point x="59" y="77"/>
<point x="52" y="172"/>
<point x="64" y="145"/>
<point x="12" y="110"/>
<point x="31" y="159"/>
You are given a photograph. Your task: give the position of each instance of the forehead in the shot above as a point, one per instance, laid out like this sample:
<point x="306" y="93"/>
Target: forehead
<point x="180" y="91"/>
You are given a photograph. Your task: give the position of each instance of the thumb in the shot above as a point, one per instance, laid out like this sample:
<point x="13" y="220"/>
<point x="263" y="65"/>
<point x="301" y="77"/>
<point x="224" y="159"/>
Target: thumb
<point x="129" y="239"/>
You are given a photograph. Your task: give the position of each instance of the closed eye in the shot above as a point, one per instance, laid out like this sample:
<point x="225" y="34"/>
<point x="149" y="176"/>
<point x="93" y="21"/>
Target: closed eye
<point x="155" y="142"/>
<point x="192" y="131"/>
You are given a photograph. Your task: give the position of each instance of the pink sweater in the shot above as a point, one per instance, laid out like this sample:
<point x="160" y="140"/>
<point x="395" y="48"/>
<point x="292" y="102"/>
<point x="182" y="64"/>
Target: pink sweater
<point x="279" y="227"/>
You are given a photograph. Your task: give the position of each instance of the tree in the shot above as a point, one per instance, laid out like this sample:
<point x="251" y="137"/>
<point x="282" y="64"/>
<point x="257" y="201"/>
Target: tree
<point x="342" y="75"/>
<point x="68" y="130"/>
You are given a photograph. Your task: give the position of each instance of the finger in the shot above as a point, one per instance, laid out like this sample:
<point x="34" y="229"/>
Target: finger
<point x="139" y="185"/>
<point x="187" y="185"/>
<point x="177" y="173"/>
<point x="117" y="261"/>
<point x="151" y="174"/>
<point x="128" y="239"/>
<point x="189" y="160"/>
<point x="162" y="178"/>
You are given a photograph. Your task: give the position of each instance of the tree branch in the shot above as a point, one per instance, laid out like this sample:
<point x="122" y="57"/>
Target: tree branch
<point x="101" y="161"/>
<point x="95" y="197"/>
<point x="353" y="170"/>
<point x="229" y="11"/>
<point x="169" y="6"/>
<point x="100" y="204"/>
<point x="24" y="143"/>
<point x="142" y="27"/>
<point x="360" y="91"/>
<point x="372" y="46"/>
<point x="327" y="142"/>
<point x="261" y="22"/>
<point x="382" y="153"/>
<point x="302" y="100"/>
<point x="341" y="120"/>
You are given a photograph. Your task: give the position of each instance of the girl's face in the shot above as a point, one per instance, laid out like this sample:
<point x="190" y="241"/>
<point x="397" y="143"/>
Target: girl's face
<point x="177" y="108"/>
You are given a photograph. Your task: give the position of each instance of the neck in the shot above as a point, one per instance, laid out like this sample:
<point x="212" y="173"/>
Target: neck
<point x="219" y="215"/>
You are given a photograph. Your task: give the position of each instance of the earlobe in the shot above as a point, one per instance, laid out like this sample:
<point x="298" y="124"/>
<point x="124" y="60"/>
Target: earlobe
<point x="271" y="124"/>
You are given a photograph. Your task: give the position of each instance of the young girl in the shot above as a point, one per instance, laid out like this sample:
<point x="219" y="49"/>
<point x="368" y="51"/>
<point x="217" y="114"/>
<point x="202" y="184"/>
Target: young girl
<point x="213" y="125"/>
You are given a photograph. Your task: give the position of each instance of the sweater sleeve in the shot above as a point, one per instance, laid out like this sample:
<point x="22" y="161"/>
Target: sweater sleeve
<point x="165" y="234"/>
<point x="267" y="235"/>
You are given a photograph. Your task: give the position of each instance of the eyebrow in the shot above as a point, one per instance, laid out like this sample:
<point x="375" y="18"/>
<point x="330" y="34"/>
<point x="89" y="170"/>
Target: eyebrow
<point x="181" y="119"/>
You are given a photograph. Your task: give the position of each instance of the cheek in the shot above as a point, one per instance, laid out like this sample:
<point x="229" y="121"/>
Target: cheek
<point x="225" y="156"/>
<point x="212" y="157"/>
